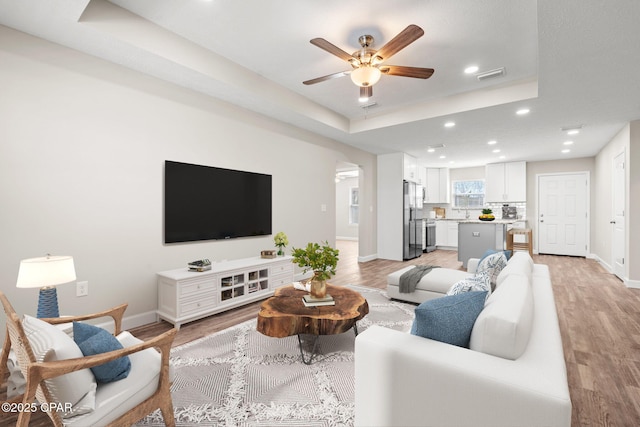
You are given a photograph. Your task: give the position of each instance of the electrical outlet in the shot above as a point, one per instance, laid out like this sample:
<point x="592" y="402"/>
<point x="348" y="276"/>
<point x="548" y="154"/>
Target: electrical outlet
<point x="82" y="289"/>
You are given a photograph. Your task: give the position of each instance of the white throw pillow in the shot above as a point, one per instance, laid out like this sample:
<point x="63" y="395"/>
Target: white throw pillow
<point x="49" y="344"/>
<point x="480" y="282"/>
<point x="493" y="264"/>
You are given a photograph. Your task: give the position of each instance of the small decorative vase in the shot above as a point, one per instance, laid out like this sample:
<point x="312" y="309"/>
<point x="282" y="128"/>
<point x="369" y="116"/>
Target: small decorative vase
<point x="280" y="251"/>
<point x="318" y="288"/>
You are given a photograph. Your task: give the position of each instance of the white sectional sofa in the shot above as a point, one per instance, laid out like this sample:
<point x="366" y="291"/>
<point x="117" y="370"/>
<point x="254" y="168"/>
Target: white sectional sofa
<point x="435" y="284"/>
<point x="513" y="374"/>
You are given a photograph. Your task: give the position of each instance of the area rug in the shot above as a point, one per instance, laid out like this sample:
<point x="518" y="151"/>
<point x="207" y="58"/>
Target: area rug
<point x="239" y="377"/>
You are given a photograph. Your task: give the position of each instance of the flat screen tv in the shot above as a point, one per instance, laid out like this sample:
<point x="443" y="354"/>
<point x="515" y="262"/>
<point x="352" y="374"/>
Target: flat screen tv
<point x="209" y="203"/>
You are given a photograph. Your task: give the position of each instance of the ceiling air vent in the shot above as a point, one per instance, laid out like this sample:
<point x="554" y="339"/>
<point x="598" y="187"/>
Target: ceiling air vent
<point x="498" y="72"/>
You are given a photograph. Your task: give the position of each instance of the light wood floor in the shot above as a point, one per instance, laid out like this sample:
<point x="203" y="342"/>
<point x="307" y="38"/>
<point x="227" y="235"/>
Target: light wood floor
<point x="599" y="321"/>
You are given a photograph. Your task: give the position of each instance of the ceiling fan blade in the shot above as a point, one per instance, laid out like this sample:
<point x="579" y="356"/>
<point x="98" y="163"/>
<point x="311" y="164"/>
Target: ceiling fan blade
<point x="399" y="70"/>
<point x="332" y="49"/>
<point x="328" y="77"/>
<point x="399" y="42"/>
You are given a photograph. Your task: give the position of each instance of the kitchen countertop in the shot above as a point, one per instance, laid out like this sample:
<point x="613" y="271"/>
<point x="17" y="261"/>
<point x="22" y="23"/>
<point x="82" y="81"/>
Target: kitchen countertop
<point x="477" y="221"/>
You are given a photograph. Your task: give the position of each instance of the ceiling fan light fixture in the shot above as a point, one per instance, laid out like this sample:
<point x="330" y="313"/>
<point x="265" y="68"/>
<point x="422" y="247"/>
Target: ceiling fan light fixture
<point x="365" y="76"/>
<point x="366" y="92"/>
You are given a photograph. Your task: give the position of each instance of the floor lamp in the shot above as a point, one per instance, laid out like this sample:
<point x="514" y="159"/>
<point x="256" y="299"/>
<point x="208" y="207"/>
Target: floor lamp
<point x="46" y="273"/>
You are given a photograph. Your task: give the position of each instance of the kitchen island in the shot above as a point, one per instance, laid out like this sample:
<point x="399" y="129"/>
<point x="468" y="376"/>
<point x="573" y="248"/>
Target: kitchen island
<point x="475" y="237"/>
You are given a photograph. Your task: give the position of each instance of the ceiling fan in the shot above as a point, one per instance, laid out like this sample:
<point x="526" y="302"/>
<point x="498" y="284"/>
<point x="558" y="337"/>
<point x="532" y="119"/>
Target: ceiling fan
<point x="368" y="63"/>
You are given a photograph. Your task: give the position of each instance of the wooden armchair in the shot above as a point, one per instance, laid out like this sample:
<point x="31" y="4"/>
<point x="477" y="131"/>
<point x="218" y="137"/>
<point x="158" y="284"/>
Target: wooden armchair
<point x="119" y="403"/>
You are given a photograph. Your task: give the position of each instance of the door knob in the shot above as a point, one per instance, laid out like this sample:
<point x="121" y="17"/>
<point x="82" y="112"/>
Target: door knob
<point x="612" y="222"/>
<point x="542" y="220"/>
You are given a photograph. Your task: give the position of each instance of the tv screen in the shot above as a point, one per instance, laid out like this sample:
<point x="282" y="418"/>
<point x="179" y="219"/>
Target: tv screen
<point x="209" y="203"/>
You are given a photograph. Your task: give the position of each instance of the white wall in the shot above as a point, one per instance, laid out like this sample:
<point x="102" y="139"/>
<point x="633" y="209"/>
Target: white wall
<point x="82" y="146"/>
<point x="628" y="141"/>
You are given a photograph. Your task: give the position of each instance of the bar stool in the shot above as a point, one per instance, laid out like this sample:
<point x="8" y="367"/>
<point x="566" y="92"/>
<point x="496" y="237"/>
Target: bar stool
<point x="520" y="246"/>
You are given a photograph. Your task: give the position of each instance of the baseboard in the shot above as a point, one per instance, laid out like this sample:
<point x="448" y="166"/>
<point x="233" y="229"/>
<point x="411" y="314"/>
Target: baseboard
<point x="632" y="283"/>
<point x="129" y="322"/>
<point x="367" y="258"/>
<point x="351" y="239"/>
<point x="629" y="283"/>
<point x="602" y="262"/>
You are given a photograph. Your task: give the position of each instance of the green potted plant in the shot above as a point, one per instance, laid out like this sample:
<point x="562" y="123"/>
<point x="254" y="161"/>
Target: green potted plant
<point x="322" y="260"/>
<point x="281" y="241"/>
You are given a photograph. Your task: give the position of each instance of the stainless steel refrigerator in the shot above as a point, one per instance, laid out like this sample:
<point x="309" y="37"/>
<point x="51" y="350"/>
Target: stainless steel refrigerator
<point x="412" y="224"/>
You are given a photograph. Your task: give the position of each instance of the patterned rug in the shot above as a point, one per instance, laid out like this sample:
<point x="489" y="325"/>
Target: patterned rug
<point x="239" y="377"/>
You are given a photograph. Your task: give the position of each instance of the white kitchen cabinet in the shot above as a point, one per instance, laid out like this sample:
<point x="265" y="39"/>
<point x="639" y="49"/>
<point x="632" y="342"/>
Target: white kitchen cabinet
<point x="452" y="234"/>
<point x="447" y="233"/>
<point x="441" y="233"/>
<point x="436" y="185"/>
<point x="184" y="296"/>
<point x="506" y="182"/>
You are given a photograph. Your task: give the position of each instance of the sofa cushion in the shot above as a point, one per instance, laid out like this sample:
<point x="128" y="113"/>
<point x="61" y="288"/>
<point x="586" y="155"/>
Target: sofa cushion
<point x="94" y="340"/>
<point x="479" y="282"/>
<point x="503" y="327"/>
<point x="493" y="264"/>
<point x="520" y="263"/>
<point x="449" y="319"/>
<point x="49" y="344"/>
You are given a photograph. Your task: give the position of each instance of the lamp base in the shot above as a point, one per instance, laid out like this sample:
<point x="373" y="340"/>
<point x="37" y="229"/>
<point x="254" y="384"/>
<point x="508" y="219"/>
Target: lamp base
<point x="48" y="303"/>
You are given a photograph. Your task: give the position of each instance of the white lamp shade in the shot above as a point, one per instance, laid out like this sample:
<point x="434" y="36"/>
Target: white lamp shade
<point x="365" y="76"/>
<point x="46" y="271"/>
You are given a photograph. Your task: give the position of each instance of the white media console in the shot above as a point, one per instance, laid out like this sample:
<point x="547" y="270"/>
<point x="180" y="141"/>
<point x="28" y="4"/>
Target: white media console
<point x="185" y="296"/>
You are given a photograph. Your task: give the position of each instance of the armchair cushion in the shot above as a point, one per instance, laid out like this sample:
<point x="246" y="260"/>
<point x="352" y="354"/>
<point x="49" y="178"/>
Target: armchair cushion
<point x="49" y="344"/>
<point x="449" y="319"/>
<point x="94" y="340"/>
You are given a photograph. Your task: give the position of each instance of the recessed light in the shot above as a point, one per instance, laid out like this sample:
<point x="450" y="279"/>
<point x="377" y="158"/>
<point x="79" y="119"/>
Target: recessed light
<point x="431" y="150"/>
<point x="451" y="162"/>
<point x="567" y="143"/>
<point x="497" y="150"/>
<point x="471" y="69"/>
<point x="492" y="142"/>
<point x="573" y="132"/>
<point x="522" y="111"/>
<point x="566" y="150"/>
<point x="449" y="124"/>
<point x="502" y="157"/>
<point x="443" y="157"/>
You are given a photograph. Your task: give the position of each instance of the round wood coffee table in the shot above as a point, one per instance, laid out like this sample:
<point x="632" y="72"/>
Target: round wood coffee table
<point x="284" y="315"/>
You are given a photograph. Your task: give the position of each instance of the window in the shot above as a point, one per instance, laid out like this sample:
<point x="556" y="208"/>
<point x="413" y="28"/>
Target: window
<point x="353" y="206"/>
<point x="468" y="194"/>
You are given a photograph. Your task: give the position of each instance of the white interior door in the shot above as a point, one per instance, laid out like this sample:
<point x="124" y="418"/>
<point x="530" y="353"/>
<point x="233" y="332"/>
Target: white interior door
<point x="563" y="214"/>
<point x="619" y="223"/>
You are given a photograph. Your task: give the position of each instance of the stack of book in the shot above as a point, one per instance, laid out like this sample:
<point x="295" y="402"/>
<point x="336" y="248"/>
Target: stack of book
<point x="200" y="265"/>
<point x="311" y="301"/>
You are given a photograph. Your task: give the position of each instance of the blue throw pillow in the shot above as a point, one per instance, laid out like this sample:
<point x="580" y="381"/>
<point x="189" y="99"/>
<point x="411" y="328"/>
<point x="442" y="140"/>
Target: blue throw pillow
<point x="507" y="254"/>
<point x="94" y="340"/>
<point x="449" y="319"/>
